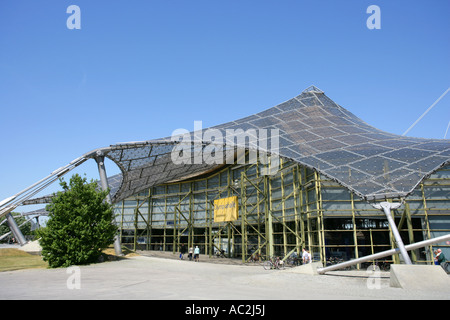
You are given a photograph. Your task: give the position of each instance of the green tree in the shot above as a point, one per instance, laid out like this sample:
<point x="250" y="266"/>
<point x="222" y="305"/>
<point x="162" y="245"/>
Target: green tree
<point x="80" y="224"/>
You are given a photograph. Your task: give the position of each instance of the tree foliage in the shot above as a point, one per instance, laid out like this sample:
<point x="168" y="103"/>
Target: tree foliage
<point x="80" y="224"/>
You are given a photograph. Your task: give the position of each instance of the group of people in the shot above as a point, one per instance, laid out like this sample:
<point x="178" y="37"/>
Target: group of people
<point x="192" y="253"/>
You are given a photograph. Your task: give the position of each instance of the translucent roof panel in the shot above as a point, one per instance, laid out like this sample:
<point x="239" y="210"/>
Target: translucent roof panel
<point x="313" y="131"/>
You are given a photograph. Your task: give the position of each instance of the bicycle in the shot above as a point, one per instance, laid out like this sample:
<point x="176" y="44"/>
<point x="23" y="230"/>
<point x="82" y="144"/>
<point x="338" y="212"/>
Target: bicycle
<point x="293" y="262"/>
<point x="333" y="260"/>
<point x="274" y="263"/>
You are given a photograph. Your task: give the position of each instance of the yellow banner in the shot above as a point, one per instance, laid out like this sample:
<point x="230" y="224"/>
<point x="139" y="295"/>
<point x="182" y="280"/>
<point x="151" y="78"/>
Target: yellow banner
<point x="226" y="209"/>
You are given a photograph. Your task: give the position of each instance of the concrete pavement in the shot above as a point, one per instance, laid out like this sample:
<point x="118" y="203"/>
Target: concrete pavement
<point x="143" y="277"/>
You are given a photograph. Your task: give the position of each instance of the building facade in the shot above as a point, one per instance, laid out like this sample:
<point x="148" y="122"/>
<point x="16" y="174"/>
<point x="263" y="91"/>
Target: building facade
<point x="305" y="174"/>
<point x="281" y="214"/>
<point x="331" y="169"/>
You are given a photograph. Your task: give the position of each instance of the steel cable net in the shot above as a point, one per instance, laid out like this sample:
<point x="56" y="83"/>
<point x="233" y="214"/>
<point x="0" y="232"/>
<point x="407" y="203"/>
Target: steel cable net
<point x="148" y="165"/>
<point x="313" y="131"/>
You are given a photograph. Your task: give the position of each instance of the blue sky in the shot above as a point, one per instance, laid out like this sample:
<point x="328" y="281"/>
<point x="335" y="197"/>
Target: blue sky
<point x="138" y="70"/>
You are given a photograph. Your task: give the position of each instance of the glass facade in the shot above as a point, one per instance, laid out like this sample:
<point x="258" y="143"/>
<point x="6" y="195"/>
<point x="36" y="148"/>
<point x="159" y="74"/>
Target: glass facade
<point x="280" y="214"/>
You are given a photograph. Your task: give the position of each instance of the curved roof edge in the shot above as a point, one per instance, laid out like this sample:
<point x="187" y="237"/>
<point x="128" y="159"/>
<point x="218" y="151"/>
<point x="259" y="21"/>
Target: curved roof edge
<point x="313" y="130"/>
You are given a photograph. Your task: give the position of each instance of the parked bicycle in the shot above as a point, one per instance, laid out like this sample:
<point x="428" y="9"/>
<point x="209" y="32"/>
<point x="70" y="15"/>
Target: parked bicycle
<point x="274" y="263"/>
<point x="293" y="261"/>
<point x="334" y="260"/>
<point x="337" y="260"/>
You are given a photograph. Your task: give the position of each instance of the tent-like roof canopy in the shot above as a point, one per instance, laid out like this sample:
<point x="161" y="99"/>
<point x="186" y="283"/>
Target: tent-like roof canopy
<point x="313" y="131"/>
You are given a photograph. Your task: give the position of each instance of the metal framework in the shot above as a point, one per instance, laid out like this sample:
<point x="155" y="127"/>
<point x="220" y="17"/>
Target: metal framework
<point x="297" y="208"/>
<point x="320" y="137"/>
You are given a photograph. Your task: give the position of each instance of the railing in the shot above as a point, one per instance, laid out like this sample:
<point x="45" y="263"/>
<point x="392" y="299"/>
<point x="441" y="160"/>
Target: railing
<point x="383" y="254"/>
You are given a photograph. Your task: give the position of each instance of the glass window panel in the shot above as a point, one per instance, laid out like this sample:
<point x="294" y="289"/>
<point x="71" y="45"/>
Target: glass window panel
<point x="289" y="105"/>
<point x="339" y="157"/>
<point x="407" y="154"/>
<point x="377" y="165"/>
<point x="326" y="144"/>
<point x="428" y="164"/>
<point x="335" y="194"/>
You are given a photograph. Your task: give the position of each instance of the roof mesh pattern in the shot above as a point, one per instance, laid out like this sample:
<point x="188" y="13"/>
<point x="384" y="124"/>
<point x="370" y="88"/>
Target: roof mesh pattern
<point x="315" y="132"/>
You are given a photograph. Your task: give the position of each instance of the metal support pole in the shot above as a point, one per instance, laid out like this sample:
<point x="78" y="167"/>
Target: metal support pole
<point x="383" y="254"/>
<point x="269" y="219"/>
<point x="100" y="159"/>
<point x="243" y="217"/>
<point x="15" y="229"/>
<point x="386" y="207"/>
<point x="17" y="200"/>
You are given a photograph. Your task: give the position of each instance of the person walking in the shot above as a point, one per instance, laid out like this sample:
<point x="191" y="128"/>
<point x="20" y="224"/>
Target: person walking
<point x="191" y="252"/>
<point x="196" y="254"/>
<point x="182" y="251"/>
<point x="306" y="256"/>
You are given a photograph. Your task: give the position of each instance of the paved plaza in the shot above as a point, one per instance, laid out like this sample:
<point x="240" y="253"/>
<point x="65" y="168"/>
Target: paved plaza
<point x="167" y="278"/>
